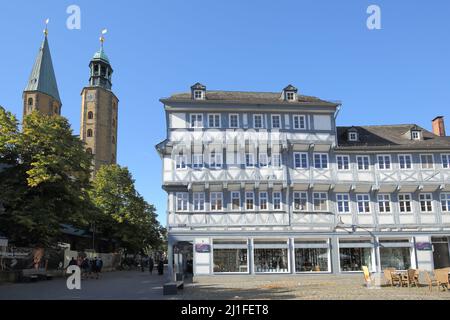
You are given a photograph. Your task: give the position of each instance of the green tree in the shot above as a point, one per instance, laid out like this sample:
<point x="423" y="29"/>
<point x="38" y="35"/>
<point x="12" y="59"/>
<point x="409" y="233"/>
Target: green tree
<point x="47" y="180"/>
<point x="125" y="217"/>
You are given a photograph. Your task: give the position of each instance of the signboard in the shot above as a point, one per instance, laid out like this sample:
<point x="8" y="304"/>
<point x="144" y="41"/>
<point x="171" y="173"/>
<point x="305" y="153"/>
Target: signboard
<point x="202" y="248"/>
<point x="424" y="246"/>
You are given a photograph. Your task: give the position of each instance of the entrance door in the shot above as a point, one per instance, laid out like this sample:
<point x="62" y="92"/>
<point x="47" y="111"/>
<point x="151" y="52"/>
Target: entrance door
<point x="441" y="253"/>
<point x="183" y="258"/>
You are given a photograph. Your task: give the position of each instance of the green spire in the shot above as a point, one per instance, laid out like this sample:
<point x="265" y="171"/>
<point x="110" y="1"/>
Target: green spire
<point x="101" y="55"/>
<point x="42" y="76"/>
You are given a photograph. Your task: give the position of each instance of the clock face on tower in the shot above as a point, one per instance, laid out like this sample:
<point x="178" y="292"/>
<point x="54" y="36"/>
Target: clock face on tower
<point x="90" y="97"/>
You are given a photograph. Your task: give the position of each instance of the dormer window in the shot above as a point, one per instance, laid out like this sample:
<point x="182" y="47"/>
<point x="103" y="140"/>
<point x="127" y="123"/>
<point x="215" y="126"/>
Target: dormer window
<point x="352" y="136"/>
<point x="198" y="91"/>
<point x="290" y="93"/>
<point x="415" y="135"/>
<point x="198" y="95"/>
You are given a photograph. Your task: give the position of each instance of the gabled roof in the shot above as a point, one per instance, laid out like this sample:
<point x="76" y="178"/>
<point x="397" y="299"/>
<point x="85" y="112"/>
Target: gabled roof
<point x="290" y="88"/>
<point x="42" y="78"/>
<point x="247" y="98"/>
<point x="390" y="137"/>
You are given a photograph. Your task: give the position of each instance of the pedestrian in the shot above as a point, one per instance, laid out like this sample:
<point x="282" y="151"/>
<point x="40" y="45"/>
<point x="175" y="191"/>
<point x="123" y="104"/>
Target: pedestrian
<point x="160" y="267"/>
<point x="99" y="266"/>
<point x="72" y="262"/>
<point x="150" y="265"/>
<point x="142" y="264"/>
<point x="85" y="268"/>
<point x="95" y="267"/>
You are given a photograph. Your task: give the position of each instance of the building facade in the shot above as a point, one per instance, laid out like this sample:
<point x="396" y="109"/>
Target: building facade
<point x="267" y="183"/>
<point x="99" y="112"/>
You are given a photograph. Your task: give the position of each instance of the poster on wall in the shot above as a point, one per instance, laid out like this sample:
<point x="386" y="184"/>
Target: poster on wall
<point x="202" y="248"/>
<point x="424" y="246"/>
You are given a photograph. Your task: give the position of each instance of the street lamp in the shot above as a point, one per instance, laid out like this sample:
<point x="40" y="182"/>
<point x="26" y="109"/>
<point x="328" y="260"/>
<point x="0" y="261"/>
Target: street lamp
<point x="354" y="228"/>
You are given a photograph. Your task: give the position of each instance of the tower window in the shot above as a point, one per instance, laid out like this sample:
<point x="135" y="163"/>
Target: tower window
<point x="90" y="115"/>
<point x="30" y="101"/>
<point x="89" y="133"/>
<point x="96" y="70"/>
<point x="89" y="150"/>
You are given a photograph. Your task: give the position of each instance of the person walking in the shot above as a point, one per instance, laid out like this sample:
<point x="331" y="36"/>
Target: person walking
<point x="99" y="266"/>
<point x="85" y="268"/>
<point x="151" y="264"/>
<point x="160" y="267"/>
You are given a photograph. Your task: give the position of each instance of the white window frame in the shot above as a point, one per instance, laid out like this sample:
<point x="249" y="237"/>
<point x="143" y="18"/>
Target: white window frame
<point x="272" y="121"/>
<point x="353" y="136"/>
<point x="304" y="162"/>
<point x="232" y="195"/>
<point x="341" y="165"/>
<point x="215" y="198"/>
<point x="290" y="96"/>
<point x="426" y="197"/>
<point x="194" y="122"/>
<point x="300" y="195"/>
<point x="276" y="160"/>
<point x="197" y="161"/>
<point x="180" y="162"/>
<point x="363" y="163"/>
<point x="384" y="157"/>
<point x="254" y="121"/>
<point x="405" y="156"/>
<point x="343" y="200"/>
<point x="297" y="118"/>
<point x="321" y="161"/>
<point x="261" y="163"/>
<point x="247" y="198"/>
<point x="320" y="198"/>
<point x="198" y="201"/>
<point x="249" y="164"/>
<point x="277" y="196"/>
<point x="445" y="201"/>
<point x="265" y="198"/>
<point x="182" y="201"/>
<point x="215" y="160"/>
<point x="445" y="158"/>
<point x="215" y="116"/>
<point x="363" y="202"/>
<point x="415" y="135"/>
<point x="198" y="94"/>
<point x="405" y="201"/>
<point x="230" y="122"/>
<point x="423" y="163"/>
<point x="384" y="203"/>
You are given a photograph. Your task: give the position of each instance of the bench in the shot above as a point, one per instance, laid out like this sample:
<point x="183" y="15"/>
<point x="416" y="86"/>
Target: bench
<point x="33" y="275"/>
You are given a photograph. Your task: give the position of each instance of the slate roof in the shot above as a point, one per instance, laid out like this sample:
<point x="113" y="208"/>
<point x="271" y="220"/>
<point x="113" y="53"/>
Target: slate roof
<point x="390" y="137"/>
<point x="248" y="98"/>
<point x="42" y="76"/>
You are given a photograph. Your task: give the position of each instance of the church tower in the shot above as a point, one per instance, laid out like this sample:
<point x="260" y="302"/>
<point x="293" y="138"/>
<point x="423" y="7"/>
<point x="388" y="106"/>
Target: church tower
<point x="99" y="112"/>
<point x="41" y="92"/>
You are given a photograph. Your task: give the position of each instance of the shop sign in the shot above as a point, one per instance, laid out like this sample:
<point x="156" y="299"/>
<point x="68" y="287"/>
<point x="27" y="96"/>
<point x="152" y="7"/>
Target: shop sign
<point x="424" y="246"/>
<point x="202" y="248"/>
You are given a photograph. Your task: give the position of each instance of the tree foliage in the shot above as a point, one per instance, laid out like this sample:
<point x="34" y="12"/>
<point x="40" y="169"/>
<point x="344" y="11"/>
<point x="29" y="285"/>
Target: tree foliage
<point x="124" y="214"/>
<point x="46" y="179"/>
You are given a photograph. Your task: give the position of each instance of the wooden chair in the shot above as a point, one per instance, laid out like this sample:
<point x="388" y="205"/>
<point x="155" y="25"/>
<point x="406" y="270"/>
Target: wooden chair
<point x="413" y="277"/>
<point x="390" y="277"/>
<point x="431" y="280"/>
<point x="368" y="278"/>
<point x="442" y="278"/>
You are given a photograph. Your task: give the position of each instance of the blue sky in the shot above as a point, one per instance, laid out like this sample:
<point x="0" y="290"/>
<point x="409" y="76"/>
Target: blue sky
<point x="400" y="74"/>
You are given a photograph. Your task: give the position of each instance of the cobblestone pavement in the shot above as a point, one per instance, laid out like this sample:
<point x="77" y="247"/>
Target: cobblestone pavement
<point x="302" y="287"/>
<point x="123" y="285"/>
